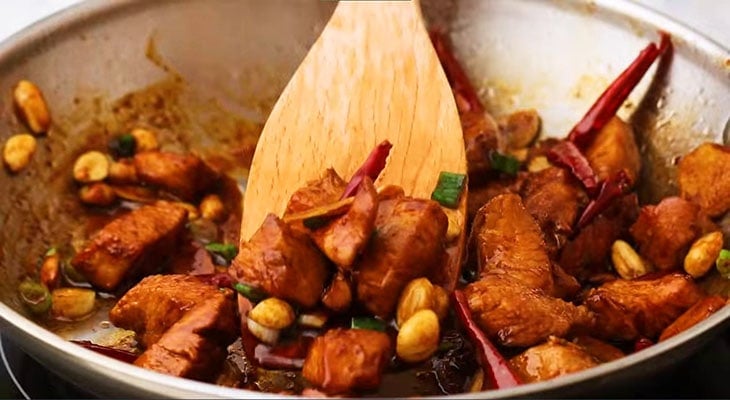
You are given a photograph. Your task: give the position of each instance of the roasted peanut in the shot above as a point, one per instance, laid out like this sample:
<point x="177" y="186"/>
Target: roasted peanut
<point x="18" y="151"/>
<point x="211" y="208"/>
<point x="702" y="254"/>
<point x="627" y="262"/>
<point x="145" y="140"/>
<point x="273" y="313"/>
<point x="418" y="337"/>
<point x="32" y="107"/>
<point x="72" y="303"/>
<point x="538" y="164"/>
<point x="92" y="166"/>
<point x="97" y="194"/>
<point x="418" y="295"/>
<point x="456" y="223"/>
<point x="520" y="127"/>
<point x="122" y="172"/>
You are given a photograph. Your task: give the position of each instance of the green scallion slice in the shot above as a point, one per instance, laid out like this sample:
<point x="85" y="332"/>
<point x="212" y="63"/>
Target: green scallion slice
<point x="249" y="292"/>
<point x="373" y="324"/>
<point x="723" y="263"/>
<point x="123" y="145"/>
<point x="35" y="296"/>
<point x="225" y="250"/>
<point x="504" y="163"/>
<point x="448" y="189"/>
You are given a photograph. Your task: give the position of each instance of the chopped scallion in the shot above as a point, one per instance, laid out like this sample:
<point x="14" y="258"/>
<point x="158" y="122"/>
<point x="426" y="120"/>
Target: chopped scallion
<point x="504" y="163"/>
<point x="723" y="263"/>
<point x="249" y="292"/>
<point x="123" y="145"/>
<point x="373" y="324"/>
<point x="448" y="189"/>
<point x="225" y="250"/>
<point x="35" y="296"/>
<point x="51" y="252"/>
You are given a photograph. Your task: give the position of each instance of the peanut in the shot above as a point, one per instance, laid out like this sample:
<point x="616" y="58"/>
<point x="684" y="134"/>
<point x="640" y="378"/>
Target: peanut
<point x="92" y="166"/>
<point x="702" y="254"/>
<point x="145" y="140"/>
<point x="627" y="262"/>
<point x="97" y="194"/>
<point x="32" y="107"/>
<point x="18" y="151"/>
<point x="211" y="208"/>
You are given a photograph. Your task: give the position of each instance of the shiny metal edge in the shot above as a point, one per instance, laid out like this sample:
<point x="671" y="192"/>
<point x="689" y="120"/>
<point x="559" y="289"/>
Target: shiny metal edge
<point x="151" y="384"/>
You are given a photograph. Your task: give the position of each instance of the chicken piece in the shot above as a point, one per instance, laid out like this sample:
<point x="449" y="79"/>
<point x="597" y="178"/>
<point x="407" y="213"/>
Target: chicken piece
<point x="613" y="150"/>
<point x="325" y="190"/>
<point x="549" y="360"/>
<point x="408" y="244"/>
<point x="554" y="198"/>
<point x="344" y="238"/>
<point x="506" y="240"/>
<point x="338" y="295"/>
<point x="627" y="310"/>
<point x="347" y="359"/>
<point x="703" y="177"/>
<point x="520" y="316"/>
<point x="283" y="262"/>
<point x="157" y="302"/>
<point x="481" y="137"/>
<point x="599" y="349"/>
<point x="586" y="255"/>
<point x="185" y="176"/>
<point x="697" y="313"/>
<point x="131" y="245"/>
<point x="195" y="346"/>
<point x="664" y="232"/>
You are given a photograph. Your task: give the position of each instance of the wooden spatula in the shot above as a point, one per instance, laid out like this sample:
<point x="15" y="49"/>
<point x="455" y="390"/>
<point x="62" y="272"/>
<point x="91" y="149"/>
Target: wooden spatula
<point x="372" y="75"/>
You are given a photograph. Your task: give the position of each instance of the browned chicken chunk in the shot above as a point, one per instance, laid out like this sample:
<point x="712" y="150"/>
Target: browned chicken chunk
<point x="345" y="237"/>
<point x="554" y="198"/>
<point x="338" y="295"/>
<point x="613" y="150"/>
<point x="480" y="195"/>
<point x="599" y="349"/>
<point x="520" y="316"/>
<point x="587" y="253"/>
<point x="627" y="310"/>
<point x="408" y="244"/>
<point x="698" y="312"/>
<point x="481" y="136"/>
<point x="554" y="358"/>
<point x="283" y="262"/>
<point x="664" y="232"/>
<point x="195" y="346"/>
<point x="507" y="241"/>
<point x="325" y="190"/>
<point x="157" y="302"/>
<point x="131" y="245"/>
<point x="347" y="359"/>
<point x="704" y="178"/>
<point x="185" y="176"/>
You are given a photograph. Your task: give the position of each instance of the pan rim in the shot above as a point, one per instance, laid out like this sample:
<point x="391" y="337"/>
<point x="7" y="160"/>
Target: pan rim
<point x="145" y="381"/>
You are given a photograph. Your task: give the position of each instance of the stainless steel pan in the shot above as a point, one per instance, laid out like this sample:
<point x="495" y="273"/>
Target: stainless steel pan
<point x="213" y="68"/>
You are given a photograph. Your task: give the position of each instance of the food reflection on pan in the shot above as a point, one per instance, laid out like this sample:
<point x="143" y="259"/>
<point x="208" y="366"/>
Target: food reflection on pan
<point x="357" y="286"/>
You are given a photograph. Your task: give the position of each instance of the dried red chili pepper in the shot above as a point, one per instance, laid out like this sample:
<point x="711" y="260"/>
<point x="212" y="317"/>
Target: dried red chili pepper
<point x="611" y="188"/>
<point x="121" y="355"/>
<point x="494" y="365"/>
<point x="611" y="99"/>
<point x="466" y="97"/>
<point x="567" y="155"/>
<point x="642" y="343"/>
<point x="372" y="167"/>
